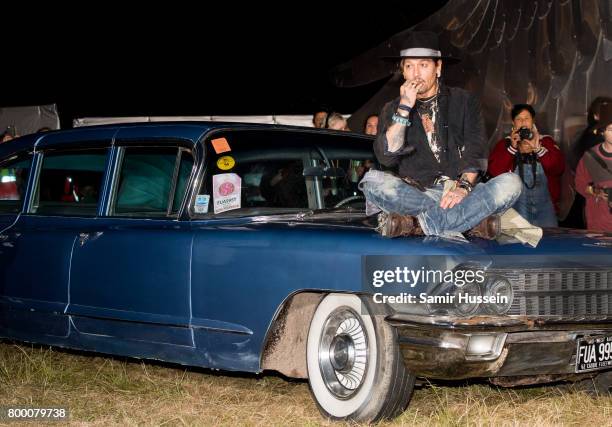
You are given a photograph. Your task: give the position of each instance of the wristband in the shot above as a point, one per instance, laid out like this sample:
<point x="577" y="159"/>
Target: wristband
<point x="401" y="120"/>
<point x="465" y="184"/>
<point x="404" y="107"/>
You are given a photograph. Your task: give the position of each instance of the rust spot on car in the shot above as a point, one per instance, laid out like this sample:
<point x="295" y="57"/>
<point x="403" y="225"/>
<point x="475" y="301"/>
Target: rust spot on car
<point x="285" y="349"/>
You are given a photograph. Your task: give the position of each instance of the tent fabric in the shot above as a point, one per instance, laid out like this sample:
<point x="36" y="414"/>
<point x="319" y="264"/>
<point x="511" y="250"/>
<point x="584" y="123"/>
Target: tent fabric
<point x="29" y="119"/>
<point x="555" y="55"/>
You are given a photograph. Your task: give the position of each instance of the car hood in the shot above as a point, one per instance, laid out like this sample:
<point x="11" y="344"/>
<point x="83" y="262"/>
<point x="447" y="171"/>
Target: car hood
<point x="554" y="240"/>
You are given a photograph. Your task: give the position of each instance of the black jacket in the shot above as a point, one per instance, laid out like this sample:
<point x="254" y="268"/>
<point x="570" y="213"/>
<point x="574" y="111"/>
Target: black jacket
<point x="462" y="135"/>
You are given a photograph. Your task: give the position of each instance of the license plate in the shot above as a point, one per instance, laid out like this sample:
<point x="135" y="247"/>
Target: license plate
<point x="594" y="353"/>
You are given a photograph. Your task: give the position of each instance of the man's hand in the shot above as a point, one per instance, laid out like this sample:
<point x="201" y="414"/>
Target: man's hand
<point x="452" y="198"/>
<point x="515" y="139"/>
<point x="598" y="192"/>
<point x="409" y="90"/>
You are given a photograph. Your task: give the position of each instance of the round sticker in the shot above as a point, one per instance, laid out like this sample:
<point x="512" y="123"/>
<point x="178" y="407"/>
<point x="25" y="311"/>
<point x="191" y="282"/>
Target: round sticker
<point x="226" y="163"/>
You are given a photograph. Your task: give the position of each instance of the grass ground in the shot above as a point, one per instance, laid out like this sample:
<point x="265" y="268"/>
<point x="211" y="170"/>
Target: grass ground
<point x="110" y="391"/>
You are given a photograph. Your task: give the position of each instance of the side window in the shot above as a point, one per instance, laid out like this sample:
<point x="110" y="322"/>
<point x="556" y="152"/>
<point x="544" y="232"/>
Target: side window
<point x="70" y="182"/>
<point x="152" y="181"/>
<point x="14" y="173"/>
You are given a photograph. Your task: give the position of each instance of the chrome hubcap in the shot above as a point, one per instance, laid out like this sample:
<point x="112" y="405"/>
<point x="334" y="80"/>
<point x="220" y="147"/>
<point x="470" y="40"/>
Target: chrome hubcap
<point x="343" y="352"/>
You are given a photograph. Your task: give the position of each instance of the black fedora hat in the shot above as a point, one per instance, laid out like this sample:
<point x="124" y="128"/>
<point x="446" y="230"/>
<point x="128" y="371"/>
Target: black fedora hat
<point x="420" y="44"/>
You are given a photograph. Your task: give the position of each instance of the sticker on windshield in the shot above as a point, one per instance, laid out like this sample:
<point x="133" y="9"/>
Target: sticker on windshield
<point x="201" y="203"/>
<point x="220" y="145"/>
<point x="226" y="192"/>
<point x="225" y="163"/>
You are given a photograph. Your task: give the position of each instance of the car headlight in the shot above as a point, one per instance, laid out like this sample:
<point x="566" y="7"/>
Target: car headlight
<point x="467" y="299"/>
<point x="471" y="291"/>
<point x="500" y="295"/>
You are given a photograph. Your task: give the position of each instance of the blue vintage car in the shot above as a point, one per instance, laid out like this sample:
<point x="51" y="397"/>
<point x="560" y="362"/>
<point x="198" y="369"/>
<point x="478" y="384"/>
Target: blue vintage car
<point x="246" y="248"/>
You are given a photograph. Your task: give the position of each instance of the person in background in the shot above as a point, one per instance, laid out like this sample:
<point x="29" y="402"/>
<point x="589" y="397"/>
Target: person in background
<point x="539" y="163"/>
<point x="5" y="137"/>
<point x="335" y="121"/>
<point x="8" y="135"/>
<point x="319" y="119"/>
<point x="591" y="136"/>
<point x="371" y="125"/>
<point x="594" y="179"/>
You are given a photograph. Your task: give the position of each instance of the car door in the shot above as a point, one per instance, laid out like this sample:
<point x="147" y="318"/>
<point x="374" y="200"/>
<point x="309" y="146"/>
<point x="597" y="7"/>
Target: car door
<point x="263" y="250"/>
<point x="130" y="272"/>
<point x="235" y="263"/>
<point x="35" y="276"/>
<point x="14" y="173"/>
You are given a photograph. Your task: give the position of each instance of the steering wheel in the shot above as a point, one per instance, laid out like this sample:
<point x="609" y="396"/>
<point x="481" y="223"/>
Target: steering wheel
<point x="349" y="200"/>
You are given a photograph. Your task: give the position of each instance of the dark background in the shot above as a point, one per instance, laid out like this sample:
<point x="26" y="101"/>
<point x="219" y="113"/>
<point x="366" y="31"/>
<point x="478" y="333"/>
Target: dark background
<point x="216" y="59"/>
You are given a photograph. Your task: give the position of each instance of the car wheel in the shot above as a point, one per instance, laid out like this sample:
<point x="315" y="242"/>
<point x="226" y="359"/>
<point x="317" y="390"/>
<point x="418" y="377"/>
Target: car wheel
<point x="355" y="369"/>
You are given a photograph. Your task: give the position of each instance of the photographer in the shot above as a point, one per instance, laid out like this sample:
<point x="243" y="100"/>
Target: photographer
<point x="594" y="180"/>
<point x="539" y="163"/>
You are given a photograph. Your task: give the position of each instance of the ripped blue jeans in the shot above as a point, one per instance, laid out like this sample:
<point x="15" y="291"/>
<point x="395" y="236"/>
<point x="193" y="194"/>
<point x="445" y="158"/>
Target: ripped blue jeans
<point x="390" y="194"/>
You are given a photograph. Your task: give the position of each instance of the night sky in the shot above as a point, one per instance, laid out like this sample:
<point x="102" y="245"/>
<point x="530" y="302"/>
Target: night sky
<point x="233" y="59"/>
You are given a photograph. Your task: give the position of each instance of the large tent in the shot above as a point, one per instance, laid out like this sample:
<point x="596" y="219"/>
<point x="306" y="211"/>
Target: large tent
<point x="555" y="55"/>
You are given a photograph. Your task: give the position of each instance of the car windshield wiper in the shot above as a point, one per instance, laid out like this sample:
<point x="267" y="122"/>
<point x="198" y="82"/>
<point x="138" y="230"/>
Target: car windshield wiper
<point x="306" y="215"/>
<point x="332" y="212"/>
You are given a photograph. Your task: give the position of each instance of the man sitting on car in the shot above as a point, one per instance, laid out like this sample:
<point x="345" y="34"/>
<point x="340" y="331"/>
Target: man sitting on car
<point x="432" y="136"/>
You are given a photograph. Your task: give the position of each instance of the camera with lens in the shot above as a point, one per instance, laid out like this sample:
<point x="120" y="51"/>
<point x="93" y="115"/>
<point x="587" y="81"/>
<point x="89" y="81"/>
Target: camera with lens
<point x="525" y="133"/>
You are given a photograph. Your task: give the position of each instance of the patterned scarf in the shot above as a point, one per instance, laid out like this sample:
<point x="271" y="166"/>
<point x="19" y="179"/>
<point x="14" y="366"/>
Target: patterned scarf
<point x="428" y="111"/>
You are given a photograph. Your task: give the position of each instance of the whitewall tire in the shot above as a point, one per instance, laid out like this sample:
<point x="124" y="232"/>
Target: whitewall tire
<point x="355" y="369"/>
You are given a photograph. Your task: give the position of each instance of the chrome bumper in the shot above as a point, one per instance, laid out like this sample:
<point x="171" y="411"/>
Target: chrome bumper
<point x="446" y="348"/>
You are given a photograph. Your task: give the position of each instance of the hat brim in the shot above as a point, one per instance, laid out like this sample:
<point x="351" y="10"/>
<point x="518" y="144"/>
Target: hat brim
<point x="447" y="59"/>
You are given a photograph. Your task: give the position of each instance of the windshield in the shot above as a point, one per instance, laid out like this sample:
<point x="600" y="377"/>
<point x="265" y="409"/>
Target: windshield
<point x="264" y="172"/>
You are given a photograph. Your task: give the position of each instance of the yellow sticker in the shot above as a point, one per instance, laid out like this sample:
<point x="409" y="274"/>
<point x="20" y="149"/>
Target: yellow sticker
<point x="225" y="163"/>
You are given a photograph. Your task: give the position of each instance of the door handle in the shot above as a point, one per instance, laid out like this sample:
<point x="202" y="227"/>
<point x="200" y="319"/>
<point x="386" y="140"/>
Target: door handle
<point x="83" y="238"/>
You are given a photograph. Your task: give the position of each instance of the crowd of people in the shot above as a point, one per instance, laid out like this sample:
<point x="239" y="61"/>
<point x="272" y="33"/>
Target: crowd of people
<point x="523" y="170"/>
<point x="323" y="119"/>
